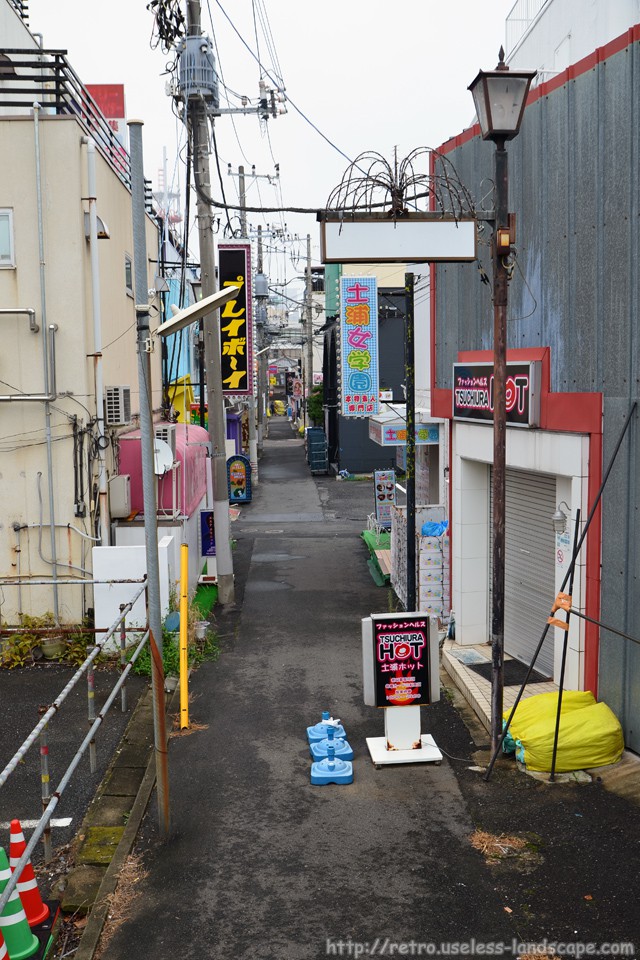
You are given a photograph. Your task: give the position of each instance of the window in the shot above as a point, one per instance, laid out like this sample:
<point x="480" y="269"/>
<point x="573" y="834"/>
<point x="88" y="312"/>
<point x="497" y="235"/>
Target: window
<point x="128" y="274"/>
<point x="7" y="254"/>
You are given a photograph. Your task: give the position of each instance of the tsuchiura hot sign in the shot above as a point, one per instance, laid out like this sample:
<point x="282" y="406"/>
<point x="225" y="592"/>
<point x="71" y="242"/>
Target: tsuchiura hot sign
<point x="359" y="346"/>
<point x="401" y="661"/>
<point x="236" y="337"/>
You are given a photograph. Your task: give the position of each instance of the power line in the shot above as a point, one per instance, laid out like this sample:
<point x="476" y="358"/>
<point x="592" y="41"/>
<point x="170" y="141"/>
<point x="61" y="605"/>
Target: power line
<point x="289" y="100"/>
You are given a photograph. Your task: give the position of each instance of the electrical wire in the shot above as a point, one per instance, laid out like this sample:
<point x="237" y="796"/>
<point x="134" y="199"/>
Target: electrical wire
<point x="217" y="156"/>
<point x="120" y="336"/>
<point x="461" y="759"/>
<point x="278" y="86"/>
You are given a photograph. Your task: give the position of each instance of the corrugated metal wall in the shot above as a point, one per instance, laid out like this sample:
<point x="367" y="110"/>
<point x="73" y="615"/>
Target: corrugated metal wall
<point x="574" y="182"/>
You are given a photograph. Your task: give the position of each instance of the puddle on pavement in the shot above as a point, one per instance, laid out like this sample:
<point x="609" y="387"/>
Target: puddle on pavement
<point x="266" y="586"/>
<point x="274" y="557"/>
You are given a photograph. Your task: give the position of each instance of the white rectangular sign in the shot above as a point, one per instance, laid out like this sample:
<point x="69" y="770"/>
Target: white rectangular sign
<point x="419" y="240"/>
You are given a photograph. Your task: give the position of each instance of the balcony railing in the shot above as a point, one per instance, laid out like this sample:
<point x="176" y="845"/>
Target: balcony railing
<point x="519" y="19"/>
<point x="22" y="6"/>
<point x="46" y="77"/>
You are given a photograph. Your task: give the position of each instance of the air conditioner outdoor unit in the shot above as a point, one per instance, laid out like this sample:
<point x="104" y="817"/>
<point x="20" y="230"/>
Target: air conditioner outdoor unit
<point x="117" y="406"/>
<point x="167" y="432"/>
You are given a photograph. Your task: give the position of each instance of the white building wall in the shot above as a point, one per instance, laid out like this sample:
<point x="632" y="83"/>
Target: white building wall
<point x="24" y="475"/>
<point x="564" y="31"/>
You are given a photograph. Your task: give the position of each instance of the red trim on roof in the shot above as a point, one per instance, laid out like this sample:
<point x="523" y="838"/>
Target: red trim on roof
<point x="599" y="55"/>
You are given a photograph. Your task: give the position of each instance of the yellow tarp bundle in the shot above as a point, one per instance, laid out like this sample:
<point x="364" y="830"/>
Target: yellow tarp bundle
<point x="590" y="734"/>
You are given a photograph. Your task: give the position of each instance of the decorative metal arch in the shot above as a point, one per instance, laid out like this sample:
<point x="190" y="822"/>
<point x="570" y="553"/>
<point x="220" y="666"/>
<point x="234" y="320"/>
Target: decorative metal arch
<point x="423" y="182"/>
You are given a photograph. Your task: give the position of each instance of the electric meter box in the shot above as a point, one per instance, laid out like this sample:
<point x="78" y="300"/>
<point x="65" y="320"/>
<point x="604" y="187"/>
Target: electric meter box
<point x="400" y="662"/>
<point x="120" y="496"/>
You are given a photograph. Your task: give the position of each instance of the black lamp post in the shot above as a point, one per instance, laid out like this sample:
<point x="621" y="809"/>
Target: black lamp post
<point x="499" y="96"/>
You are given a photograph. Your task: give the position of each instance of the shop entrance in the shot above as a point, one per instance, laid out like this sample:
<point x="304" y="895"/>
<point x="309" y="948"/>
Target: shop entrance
<point x="529" y="565"/>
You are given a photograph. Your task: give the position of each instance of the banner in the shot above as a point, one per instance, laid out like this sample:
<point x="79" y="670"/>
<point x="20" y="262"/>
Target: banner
<point x="236" y="322"/>
<point x="359" y="383"/>
<point x="384" y="483"/>
<point x="207" y="534"/>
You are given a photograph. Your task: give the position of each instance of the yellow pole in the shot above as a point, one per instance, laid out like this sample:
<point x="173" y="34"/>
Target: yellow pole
<point x="184" y="615"/>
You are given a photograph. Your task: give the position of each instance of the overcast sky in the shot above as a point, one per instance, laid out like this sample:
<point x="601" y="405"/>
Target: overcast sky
<point x="371" y="76"/>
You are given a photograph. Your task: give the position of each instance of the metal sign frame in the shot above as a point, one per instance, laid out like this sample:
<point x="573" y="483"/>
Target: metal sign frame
<point x="412" y="238"/>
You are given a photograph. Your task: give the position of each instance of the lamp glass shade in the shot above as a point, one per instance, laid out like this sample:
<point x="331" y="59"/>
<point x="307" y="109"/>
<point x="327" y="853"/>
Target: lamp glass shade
<point x="499" y="97"/>
<point x="559" y="520"/>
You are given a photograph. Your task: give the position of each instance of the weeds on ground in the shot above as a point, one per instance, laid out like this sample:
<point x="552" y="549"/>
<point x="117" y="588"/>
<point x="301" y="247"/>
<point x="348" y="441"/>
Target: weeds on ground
<point x="130" y="886"/>
<point x="24" y="646"/>
<point x="198" y="651"/>
<point x="497" y="847"/>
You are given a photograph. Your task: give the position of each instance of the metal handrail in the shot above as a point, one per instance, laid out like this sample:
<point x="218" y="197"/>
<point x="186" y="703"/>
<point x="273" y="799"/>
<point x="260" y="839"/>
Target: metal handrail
<point x="22" y="8"/>
<point x="47" y="77"/>
<point x="53" y="709"/>
<point x="53" y="803"/>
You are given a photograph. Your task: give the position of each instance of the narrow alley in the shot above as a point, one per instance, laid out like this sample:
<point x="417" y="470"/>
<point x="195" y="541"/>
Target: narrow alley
<point x="261" y="864"/>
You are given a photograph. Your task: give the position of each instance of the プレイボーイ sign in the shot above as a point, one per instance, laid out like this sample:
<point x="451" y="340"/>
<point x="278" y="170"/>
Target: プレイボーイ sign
<point x="236" y="339"/>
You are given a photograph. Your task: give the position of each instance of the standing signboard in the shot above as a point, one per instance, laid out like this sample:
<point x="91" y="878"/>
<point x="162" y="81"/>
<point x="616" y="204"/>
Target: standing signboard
<point x="400" y="672"/>
<point x="236" y="322"/>
<point x="359" y="381"/>
<point x="384" y="488"/>
<point x="239" y="479"/>
<point x="403" y="661"/>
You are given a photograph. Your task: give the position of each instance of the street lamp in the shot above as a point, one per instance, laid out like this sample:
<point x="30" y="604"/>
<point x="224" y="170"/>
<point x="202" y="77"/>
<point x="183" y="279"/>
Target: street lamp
<point x="499" y="96"/>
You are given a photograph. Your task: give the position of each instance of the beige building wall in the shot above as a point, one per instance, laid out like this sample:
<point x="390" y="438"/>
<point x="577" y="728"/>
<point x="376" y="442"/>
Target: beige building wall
<point x="33" y="470"/>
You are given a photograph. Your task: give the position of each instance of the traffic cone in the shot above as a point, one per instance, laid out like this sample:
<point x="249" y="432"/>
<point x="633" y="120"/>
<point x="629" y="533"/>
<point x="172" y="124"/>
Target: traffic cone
<point x="20" y="941"/>
<point x="35" y="909"/>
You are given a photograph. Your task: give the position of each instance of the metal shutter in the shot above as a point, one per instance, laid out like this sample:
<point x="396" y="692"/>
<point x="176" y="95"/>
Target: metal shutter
<point x="529" y="566"/>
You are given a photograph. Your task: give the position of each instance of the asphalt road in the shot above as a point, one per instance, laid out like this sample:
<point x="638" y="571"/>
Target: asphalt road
<point x="261" y="864"/>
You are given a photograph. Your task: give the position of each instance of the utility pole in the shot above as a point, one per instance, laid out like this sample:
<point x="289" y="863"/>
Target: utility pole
<point x="308" y="326"/>
<point x="262" y="354"/>
<point x="253" y="438"/>
<point x="148" y="474"/>
<point x="197" y="117"/>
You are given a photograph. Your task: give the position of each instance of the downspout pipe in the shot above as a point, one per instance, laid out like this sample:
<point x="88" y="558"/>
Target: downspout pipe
<point x="97" y="340"/>
<point x="45" y="354"/>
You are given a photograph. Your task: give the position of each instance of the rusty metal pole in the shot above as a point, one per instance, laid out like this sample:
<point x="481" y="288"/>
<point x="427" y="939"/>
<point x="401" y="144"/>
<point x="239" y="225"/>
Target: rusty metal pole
<point x="123" y="658"/>
<point x="410" y="474"/>
<point x="500" y="299"/>
<point x="91" y="711"/>
<point x="45" y="786"/>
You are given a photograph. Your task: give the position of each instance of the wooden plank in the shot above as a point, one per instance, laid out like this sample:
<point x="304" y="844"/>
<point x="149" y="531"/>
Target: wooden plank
<point x="384" y="560"/>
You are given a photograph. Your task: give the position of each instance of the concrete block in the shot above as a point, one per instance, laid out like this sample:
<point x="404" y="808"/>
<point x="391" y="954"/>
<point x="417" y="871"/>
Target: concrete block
<point x="82" y="888"/>
<point x="99" y="845"/>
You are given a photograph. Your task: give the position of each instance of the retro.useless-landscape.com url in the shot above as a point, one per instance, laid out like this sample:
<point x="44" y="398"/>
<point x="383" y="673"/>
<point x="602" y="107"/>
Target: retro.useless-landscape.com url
<point x="385" y="947"/>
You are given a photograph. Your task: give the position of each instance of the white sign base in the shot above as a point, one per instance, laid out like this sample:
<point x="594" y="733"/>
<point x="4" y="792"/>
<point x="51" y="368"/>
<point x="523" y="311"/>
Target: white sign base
<point x="381" y="755"/>
<point x="403" y="742"/>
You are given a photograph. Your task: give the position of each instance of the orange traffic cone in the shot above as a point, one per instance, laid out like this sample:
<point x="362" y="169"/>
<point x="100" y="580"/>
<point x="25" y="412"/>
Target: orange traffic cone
<point x="19" y="940"/>
<point x="35" y="909"/>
